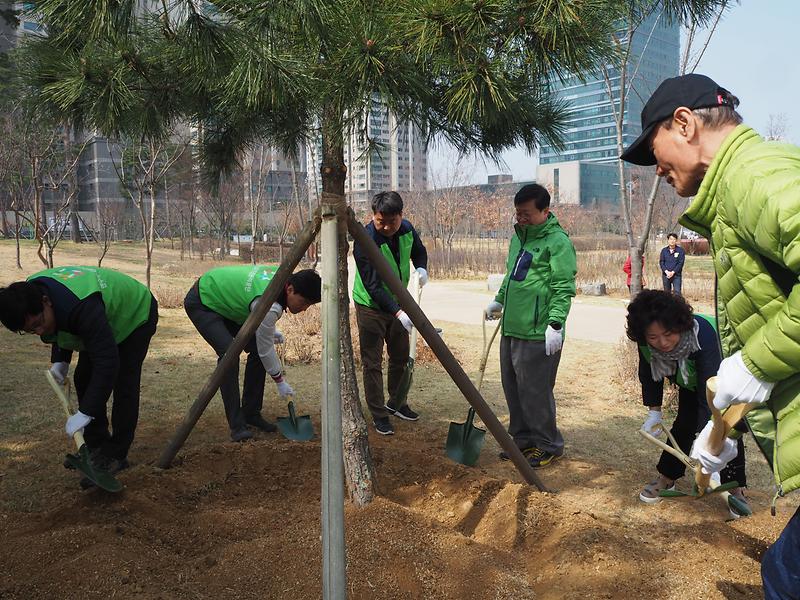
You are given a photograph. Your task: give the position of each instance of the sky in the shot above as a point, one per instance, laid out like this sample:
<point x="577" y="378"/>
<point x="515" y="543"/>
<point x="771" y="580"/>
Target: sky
<point x="753" y="53"/>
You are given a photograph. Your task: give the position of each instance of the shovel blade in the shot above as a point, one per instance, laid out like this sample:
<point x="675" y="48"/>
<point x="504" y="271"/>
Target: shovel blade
<point x="464" y="443"/>
<point x="83" y="463"/>
<point x="298" y="429"/>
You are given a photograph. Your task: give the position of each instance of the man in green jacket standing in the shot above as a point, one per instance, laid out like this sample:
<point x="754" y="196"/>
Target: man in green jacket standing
<point x="535" y="299"/>
<point x="746" y="201"/>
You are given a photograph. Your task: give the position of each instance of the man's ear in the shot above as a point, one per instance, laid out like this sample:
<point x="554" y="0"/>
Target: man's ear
<point x="684" y="122"/>
<point x="46" y="301"/>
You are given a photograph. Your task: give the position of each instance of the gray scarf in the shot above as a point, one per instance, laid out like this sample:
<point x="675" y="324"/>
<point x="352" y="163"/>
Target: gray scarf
<point x="663" y="364"/>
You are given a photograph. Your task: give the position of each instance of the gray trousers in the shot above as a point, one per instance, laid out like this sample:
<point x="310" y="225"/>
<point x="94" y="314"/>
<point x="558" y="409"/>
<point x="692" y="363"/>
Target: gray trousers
<point x="528" y="377"/>
<point x="219" y="333"/>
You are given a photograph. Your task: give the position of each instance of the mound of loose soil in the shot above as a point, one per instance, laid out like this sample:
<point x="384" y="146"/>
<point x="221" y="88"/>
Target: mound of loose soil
<point x="243" y="521"/>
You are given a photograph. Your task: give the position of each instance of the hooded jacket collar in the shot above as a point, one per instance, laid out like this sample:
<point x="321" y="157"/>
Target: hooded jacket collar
<point x="703" y="208"/>
<point x="530" y="232"/>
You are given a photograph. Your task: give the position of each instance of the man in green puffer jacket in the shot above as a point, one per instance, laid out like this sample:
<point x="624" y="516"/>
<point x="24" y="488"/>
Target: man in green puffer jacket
<point x="534" y="298"/>
<point x="747" y="202"/>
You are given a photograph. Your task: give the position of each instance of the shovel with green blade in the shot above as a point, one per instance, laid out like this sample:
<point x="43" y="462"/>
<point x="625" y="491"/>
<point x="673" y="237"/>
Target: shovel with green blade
<point x="464" y="440"/>
<point x="408" y="374"/>
<point x="704" y="483"/>
<point x="299" y="429"/>
<point x="82" y="461"/>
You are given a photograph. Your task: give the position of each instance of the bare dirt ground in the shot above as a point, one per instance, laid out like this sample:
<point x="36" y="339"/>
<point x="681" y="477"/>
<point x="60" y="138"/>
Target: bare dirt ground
<point x="242" y="520"/>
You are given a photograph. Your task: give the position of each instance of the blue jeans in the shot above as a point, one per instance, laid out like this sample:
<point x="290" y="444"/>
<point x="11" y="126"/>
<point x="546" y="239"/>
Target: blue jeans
<point x="672" y="285"/>
<point x="780" y="567"/>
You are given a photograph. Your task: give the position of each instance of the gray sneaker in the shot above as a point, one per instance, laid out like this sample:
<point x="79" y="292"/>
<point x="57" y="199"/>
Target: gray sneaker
<point x="738" y="506"/>
<point x="650" y="493"/>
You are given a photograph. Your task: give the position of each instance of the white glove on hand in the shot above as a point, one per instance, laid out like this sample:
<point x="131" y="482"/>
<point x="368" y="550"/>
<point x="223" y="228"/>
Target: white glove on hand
<point x="284" y="389"/>
<point x="59" y="371"/>
<point x="423" y="276"/>
<point x="493" y="311"/>
<point x="404" y="320"/>
<point x="709" y="462"/>
<point x="553" y="340"/>
<point x="278" y="337"/>
<point x="737" y="385"/>
<point x="76" y="423"/>
<point x="652" y="424"/>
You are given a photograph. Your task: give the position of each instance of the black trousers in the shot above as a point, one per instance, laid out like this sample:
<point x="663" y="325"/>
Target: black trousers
<point x="691" y="418"/>
<point x="219" y="333"/>
<point x="125" y="409"/>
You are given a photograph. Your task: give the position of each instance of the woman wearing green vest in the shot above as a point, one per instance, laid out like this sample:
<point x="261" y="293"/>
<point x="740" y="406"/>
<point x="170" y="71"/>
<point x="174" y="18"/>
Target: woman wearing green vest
<point x="218" y="304"/>
<point x="380" y="318"/>
<point x="109" y="319"/>
<point x="683" y="347"/>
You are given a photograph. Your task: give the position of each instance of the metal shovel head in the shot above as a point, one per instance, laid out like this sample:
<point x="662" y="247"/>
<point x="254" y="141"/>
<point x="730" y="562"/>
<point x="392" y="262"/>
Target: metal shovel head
<point x="299" y="429"/>
<point x="405" y="382"/>
<point x="103" y="479"/>
<point x="464" y="441"/>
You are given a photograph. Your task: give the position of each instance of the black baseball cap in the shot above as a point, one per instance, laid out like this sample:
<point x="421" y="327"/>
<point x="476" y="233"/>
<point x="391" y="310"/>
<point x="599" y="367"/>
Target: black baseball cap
<point x="691" y="91"/>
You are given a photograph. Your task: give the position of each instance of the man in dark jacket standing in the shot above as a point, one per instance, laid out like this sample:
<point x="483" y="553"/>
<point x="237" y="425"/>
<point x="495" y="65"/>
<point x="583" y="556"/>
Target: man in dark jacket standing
<point x="671" y="263"/>
<point x="109" y="319"/>
<point x="378" y="314"/>
<point x="535" y="298"/>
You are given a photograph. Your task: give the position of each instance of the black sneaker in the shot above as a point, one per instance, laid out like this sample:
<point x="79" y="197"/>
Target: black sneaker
<point x="383" y="426"/>
<point x="538" y="458"/>
<point x="403" y="412"/>
<point x="261" y="423"/>
<point x="241" y="435"/>
<point x="107" y="464"/>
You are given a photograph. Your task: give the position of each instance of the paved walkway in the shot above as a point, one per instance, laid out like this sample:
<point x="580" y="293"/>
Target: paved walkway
<point x="592" y="319"/>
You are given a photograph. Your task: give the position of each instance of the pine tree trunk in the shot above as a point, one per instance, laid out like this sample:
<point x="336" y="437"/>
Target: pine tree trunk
<point x="358" y="465"/>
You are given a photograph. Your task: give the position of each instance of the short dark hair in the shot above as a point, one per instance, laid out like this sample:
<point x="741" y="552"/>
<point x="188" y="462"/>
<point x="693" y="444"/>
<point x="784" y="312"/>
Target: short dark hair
<point x="651" y="306"/>
<point x="17" y="301"/>
<point x="672" y="234"/>
<point x="308" y="284"/>
<point x="535" y="192"/>
<point x="387" y="203"/>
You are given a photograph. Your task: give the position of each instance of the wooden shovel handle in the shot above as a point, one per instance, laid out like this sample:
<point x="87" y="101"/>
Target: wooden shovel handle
<point x="723" y="423"/>
<point x="62" y="392"/>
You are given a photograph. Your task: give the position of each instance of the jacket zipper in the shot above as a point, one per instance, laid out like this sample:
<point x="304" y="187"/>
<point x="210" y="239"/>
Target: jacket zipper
<point x="510" y="281"/>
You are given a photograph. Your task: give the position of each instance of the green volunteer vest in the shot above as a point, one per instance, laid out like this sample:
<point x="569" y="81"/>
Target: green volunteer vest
<point x="360" y="293"/>
<point x="690" y="383"/>
<point x="229" y="291"/>
<point x="127" y="301"/>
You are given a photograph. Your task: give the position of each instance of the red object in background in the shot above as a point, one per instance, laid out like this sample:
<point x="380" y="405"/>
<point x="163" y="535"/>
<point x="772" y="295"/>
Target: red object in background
<point x="627" y="268"/>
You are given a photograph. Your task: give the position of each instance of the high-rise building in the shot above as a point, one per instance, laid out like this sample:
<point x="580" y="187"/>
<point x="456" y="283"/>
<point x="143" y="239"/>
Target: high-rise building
<point x="591" y="133"/>
<point x="397" y="160"/>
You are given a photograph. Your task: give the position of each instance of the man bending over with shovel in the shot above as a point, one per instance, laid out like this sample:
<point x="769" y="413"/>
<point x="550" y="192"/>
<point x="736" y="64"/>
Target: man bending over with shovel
<point x="534" y="299"/>
<point x="746" y="201"/>
<point x="218" y="304"/>
<point x="109" y="319"/>
<point x="379" y="317"/>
